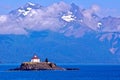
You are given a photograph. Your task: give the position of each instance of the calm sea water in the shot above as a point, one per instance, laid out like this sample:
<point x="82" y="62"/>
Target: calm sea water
<point x="86" y="72"/>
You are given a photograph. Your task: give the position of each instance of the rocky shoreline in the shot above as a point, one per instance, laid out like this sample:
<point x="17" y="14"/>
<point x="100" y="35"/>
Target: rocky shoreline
<point x="38" y="66"/>
<point x="25" y="66"/>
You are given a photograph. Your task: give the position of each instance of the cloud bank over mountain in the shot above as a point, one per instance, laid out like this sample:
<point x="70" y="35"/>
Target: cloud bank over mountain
<point x="57" y="17"/>
<point x="43" y="18"/>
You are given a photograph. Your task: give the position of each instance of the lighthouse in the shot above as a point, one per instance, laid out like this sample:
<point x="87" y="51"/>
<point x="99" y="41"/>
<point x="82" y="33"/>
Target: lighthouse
<point x="35" y="59"/>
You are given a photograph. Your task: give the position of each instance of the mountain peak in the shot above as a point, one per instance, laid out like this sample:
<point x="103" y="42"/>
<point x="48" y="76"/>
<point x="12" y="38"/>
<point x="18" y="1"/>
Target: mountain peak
<point x="76" y="11"/>
<point x="74" y="5"/>
<point x="25" y="9"/>
<point x="30" y="3"/>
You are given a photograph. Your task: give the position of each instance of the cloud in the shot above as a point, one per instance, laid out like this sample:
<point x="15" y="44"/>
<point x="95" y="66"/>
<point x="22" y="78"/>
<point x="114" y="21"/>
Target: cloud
<point x="95" y="8"/>
<point x="89" y="16"/>
<point x="88" y="12"/>
<point x="104" y="12"/>
<point x="3" y="18"/>
<point x="7" y="26"/>
<point x="12" y="30"/>
<point x="50" y="18"/>
<point x="46" y="18"/>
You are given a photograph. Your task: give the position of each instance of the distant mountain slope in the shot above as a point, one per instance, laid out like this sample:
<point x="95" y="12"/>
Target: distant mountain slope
<point x="60" y="49"/>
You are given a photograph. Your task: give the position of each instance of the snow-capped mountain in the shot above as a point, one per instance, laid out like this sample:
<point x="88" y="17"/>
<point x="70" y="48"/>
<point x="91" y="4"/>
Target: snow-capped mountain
<point x="63" y="32"/>
<point x="25" y="10"/>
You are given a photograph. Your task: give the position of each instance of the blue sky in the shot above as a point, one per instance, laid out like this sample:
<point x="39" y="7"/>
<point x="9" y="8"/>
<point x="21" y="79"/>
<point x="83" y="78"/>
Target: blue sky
<point x="108" y="6"/>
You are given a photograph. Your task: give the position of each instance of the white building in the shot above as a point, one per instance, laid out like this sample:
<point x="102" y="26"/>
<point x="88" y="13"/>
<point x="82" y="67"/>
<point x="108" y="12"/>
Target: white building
<point x="35" y="59"/>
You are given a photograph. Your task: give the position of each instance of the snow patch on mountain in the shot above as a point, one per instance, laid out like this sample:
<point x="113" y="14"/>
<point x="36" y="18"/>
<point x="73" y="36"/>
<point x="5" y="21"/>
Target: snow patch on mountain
<point x="29" y="8"/>
<point x="113" y="50"/>
<point x="99" y="25"/>
<point x="24" y="12"/>
<point x="69" y="17"/>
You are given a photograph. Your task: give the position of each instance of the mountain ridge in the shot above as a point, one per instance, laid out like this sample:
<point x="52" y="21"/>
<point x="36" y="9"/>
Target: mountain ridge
<point x="64" y="33"/>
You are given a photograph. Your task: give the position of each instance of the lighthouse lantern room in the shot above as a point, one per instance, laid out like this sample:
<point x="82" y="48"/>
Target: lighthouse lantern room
<point x="35" y="59"/>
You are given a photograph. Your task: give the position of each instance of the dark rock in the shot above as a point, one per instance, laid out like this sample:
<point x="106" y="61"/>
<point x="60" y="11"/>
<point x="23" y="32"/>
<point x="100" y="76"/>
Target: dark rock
<point x="38" y="66"/>
<point x="72" y="69"/>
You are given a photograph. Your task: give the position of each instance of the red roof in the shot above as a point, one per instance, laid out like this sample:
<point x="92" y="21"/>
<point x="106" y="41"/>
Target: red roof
<point x="35" y="57"/>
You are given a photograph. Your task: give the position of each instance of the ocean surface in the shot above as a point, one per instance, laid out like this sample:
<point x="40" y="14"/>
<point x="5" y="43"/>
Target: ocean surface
<point x="86" y="72"/>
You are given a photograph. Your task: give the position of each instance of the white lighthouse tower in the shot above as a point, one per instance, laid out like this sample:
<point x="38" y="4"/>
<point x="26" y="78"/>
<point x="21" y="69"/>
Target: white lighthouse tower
<point x="35" y="59"/>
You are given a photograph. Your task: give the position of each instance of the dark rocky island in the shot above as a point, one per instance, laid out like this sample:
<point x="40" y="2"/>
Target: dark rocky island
<point x="36" y="64"/>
